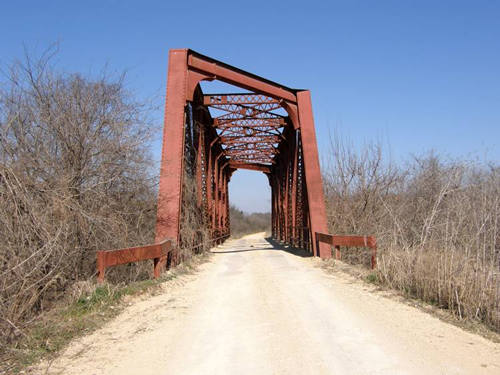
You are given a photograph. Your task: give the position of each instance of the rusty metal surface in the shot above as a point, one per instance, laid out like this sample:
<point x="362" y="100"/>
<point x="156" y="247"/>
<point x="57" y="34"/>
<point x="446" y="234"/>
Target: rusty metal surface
<point x="350" y="241"/>
<point x="159" y="252"/>
<point x="269" y="129"/>
<point x="232" y="75"/>
<point x="246" y="131"/>
<point x="315" y="194"/>
<point x="249" y="128"/>
<point x="110" y="258"/>
<point x="172" y="162"/>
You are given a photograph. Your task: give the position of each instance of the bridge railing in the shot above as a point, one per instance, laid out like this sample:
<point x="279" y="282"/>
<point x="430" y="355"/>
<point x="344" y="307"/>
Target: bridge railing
<point x="349" y="241"/>
<point x="110" y="258"/>
<point x="158" y="251"/>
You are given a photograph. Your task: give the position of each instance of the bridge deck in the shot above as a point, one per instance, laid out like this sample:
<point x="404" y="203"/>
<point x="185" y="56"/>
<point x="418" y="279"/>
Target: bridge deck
<point x="257" y="309"/>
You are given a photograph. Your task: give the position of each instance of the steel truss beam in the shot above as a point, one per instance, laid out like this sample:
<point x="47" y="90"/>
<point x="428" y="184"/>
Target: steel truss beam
<point x="241" y="98"/>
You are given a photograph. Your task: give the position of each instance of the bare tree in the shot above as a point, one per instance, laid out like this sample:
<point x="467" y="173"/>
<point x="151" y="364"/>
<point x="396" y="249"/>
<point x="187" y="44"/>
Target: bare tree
<point x="75" y="177"/>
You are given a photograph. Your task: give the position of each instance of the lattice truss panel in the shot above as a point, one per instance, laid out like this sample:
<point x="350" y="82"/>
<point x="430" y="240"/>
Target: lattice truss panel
<point x="250" y="129"/>
<point x="289" y="193"/>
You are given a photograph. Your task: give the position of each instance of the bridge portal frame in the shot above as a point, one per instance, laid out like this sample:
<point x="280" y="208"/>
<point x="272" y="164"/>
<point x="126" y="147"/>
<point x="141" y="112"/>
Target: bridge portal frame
<point x="298" y="205"/>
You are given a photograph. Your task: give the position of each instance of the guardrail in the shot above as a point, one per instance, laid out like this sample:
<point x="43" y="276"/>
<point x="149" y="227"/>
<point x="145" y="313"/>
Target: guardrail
<point x="349" y="241"/>
<point x="157" y="252"/>
<point x="110" y="258"/>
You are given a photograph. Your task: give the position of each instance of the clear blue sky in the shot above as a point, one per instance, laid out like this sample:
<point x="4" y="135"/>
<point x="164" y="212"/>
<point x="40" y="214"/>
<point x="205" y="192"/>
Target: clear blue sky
<point x="419" y="74"/>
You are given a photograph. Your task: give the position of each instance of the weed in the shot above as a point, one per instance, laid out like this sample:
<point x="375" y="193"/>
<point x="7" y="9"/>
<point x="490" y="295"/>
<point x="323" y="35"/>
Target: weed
<point x="372" y="278"/>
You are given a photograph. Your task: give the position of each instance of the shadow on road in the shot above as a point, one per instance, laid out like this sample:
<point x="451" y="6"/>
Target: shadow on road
<point x="275" y="246"/>
<point x="240" y="251"/>
<point x="289" y="249"/>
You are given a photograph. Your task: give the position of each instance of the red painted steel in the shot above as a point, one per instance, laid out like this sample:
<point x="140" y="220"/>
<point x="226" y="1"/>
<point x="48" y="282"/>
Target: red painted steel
<point x="314" y="182"/>
<point x="350" y="241"/>
<point x="209" y="136"/>
<point x="172" y="162"/>
<point x="159" y="252"/>
<point x="250" y="166"/>
<point x="248" y="98"/>
<point x="110" y="258"/>
<point x="229" y="74"/>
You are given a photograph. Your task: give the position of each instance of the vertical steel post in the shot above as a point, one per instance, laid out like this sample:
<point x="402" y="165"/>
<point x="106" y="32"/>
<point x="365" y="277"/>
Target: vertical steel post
<point x="315" y="194"/>
<point x="199" y="161"/>
<point x="172" y="162"/>
<point x="286" y="171"/>
<point x="215" y="196"/>
<point x="272" y="179"/>
<point x="294" y="186"/>
<point x="210" y="183"/>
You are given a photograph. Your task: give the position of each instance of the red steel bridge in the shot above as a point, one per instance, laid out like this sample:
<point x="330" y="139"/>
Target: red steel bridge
<point x="268" y="128"/>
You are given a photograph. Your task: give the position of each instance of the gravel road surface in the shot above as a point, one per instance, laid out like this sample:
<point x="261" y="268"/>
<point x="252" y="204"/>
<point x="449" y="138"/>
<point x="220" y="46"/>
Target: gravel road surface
<point x="254" y="309"/>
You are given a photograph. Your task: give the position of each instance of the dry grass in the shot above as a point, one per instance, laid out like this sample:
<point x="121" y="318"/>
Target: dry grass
<point x="88" y="307"/>
<point x="437" y="222"/>
<point x="195" y="233"/>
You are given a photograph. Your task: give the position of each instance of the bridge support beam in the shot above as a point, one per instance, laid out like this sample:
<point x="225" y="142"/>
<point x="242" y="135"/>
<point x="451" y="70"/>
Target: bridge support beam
<point x="172" y="161"/>
<point x="315" y="194"/>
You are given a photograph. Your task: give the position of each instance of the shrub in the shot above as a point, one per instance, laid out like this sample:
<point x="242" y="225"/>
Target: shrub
<point x="75" y="177"/>
<point x="437" y="223"/>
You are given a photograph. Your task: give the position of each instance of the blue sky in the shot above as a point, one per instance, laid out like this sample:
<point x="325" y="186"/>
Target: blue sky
<point x="420" y="75"/>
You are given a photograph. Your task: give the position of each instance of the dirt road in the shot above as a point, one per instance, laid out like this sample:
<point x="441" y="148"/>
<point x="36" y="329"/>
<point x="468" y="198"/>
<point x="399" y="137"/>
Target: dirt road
<point x="257" y="310"/>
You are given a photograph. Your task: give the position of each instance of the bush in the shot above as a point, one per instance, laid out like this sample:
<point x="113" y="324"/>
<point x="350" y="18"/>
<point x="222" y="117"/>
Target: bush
<point x="75" y="177"/>
<point x="437" y="223"/>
